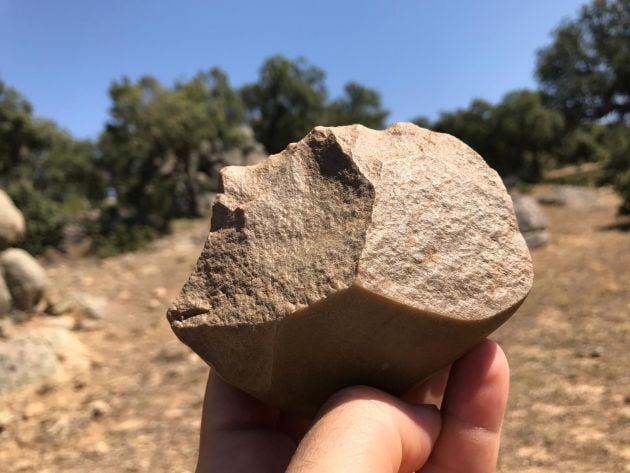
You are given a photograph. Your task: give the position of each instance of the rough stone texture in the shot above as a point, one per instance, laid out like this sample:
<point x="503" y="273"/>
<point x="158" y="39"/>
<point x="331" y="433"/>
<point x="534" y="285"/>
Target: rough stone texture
<point x="33" y="355"/>
<point x="24" y="276"/>
<point x="353" y="257"/>
<point x="532" y="220"/>
<point x="71" y="353"/>
<point x="12" y="225"/>
<point x="5" y="297"/>
<point x="25" y="359"/>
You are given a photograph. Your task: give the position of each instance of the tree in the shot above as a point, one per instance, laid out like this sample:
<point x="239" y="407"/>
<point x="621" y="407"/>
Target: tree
<point x="286" y="102"/>
<point x="37" y="150"/>
<point x="581" y="144"/>
<point x="526" y="133"/>
<point x="162" y="149"/>
<point x="17" y="133"/>
<point x="473" y="125"/>
<point x="586" y="70"/>
<point x="516" y="137"/>
<point x="586" y="73"/>
<point x="616" y="141"/>
<point x="50" y="176"/>
<point x="359" y="104"/>
<point x="423" y="122"/>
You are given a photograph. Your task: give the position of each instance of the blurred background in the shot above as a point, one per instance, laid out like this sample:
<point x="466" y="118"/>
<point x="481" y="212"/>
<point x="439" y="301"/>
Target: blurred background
<point x="115" y="118"/>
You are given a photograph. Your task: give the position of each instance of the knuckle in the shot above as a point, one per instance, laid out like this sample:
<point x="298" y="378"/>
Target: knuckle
<point x="359" y="401"/>
<point x="354" y="393"/>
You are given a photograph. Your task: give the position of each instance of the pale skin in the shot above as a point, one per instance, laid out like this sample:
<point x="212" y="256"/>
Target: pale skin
<point x="362" y="429"/>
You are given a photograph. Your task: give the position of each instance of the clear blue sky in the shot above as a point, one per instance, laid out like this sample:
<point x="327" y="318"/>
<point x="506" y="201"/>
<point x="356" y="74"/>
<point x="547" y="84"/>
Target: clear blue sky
<point x="424" y="56"/>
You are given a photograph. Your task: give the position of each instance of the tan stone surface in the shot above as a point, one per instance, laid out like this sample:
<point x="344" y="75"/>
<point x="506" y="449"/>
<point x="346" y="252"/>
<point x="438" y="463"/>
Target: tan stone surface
<point x="5" y="297"/>
<point x="12" y="225"/>
<point x="353" y="257"/>
<point x="24" y="276"/>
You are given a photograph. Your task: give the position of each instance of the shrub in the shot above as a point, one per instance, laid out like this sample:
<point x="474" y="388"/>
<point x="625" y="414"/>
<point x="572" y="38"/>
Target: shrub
<point x="44" y="217"/>
<point x="114" y="233"/>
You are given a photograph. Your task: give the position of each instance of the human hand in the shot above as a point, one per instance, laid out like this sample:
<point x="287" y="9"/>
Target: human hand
<point x="364" y="429"/>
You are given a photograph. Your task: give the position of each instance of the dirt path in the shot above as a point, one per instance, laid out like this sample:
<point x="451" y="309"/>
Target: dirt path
<point x="137" y="408"/>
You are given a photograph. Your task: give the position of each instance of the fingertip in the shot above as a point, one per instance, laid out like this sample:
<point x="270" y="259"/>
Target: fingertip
<point x="478" y="386"/>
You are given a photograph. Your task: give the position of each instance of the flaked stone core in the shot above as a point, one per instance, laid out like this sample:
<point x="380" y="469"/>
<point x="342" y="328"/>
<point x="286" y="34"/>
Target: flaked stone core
<point x="353" y="256"/>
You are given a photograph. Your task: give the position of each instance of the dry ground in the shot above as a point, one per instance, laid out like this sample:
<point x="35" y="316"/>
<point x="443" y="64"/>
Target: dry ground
<point x="568" y="348"/>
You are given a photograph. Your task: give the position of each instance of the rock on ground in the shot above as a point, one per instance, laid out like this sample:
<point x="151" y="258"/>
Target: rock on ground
<point x="25" y="359"/>
<point x="532" y="220"/>
<point x="33" y="355"/>
<point x="570" y="196"/>
<point x="353" y="257"/>
<point x="25" y="278"/>
<point x="5" y="297"/>
<point x="12" y="225"/>
<point x="90" y="305"/>
<point x="67" y="347"/>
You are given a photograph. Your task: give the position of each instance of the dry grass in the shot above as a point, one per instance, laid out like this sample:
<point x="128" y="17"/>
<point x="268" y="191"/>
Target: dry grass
<point x="568" y="349"/>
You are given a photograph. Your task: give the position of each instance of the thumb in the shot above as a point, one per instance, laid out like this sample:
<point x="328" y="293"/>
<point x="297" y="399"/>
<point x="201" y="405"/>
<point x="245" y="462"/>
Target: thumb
<point x="364" y="429"/>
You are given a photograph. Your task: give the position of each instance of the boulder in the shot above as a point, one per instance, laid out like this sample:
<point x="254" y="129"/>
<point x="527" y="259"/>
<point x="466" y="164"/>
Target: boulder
<point x="90" y="305"/>
<point x="570" y="196"/>
<point x="33" y="355"/>
<point x="71" y="353"/>
<point x="12" y="225"/>
<point x="352" y="257"/>
<point x="5" y="297"/>
<point x="532" y="220"/>
<point x="25" y="359"/>
<point x="25" y="278"/>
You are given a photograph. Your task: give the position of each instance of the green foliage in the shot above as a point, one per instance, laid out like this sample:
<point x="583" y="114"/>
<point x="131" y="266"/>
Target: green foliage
<point x="622" y="185"/>
<point x="114" y="234"/>
<point x="423" y="122"/>
<point x="287" y="101"/>
<point x="617" y="163"/>
<point x="473" y="125"/>
<point x="616" y="140"/>
<point x="290" y="98"/>
<point x="359" y="104"/>
<point x="526" y="132"/>
<point x="586" y="70"/>
<point x="48" y="174"/>
<point x="516" y="136"/>
<point x="586" y="73"/>
<point x="162" y="148"/>
<point x="584" y="143"/>
<point x="17" y="132"/>
<point x="38" y="150"/>
<point x="44" y="216"/>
